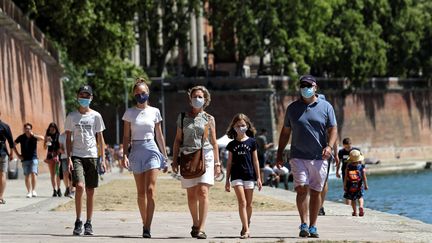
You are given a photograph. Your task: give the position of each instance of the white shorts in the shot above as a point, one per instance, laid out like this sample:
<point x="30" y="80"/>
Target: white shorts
<point x="312" y="173"/>
<point x="245" y="184"/>
<point x="207" y="178"/>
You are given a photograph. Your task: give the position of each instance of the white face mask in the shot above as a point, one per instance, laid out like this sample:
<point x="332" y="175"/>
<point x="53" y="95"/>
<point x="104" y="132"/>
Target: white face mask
<point x="241" y="130"/>
<point x="197" y="102"/>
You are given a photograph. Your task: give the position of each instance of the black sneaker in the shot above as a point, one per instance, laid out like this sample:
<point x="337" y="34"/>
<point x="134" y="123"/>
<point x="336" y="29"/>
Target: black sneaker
<point x="146" y="233"/>
<point x="78" y="228"/>
<point x="88" y="230"/>
<point x="321" y="212"/>
<point x="54" y="193"/>
<point x="59" y="194"/>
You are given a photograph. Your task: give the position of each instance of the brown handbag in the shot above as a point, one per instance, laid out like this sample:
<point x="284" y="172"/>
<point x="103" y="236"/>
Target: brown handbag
<point x="193" y="165"/>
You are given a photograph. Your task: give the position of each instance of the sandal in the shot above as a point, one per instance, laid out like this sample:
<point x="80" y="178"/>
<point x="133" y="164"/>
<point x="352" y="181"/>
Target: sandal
<point x="201" y="235"/>
<point x="195" y="231"/>
<point x="2" y="201"/>
<point x="354" y="214"/>
<point x="361" y="213"/>
<point x="245" y="235"/>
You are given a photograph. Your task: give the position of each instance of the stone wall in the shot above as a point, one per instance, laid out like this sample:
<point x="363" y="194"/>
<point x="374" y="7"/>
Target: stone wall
<point x="388" y="124"/>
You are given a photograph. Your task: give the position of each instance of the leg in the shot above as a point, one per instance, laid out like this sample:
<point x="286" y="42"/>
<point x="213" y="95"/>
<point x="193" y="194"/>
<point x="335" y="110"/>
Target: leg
<point x="242" y="202"/>
<point x="90" y="200"/>
<point x="249" y="197"/>
<point x="323" y="195"/>
<point x="302" y="204"/>
<point x="314" y="206"/>
<point x="33" y="181"/>
<point x="193" y="204"/>
<point x="27" y="183"/>
<point x="354" y="207"/>
<point x="141" y="195"/>
<point x="202" y="191"/>
<point x="51" y="167"/>
<point x="2" y="183"/>
<point x="150" y="184"/>
<point x="78" y="197"/>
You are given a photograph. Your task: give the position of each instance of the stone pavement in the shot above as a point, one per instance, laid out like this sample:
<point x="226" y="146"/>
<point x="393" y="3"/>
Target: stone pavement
<point x="31" y="220"/>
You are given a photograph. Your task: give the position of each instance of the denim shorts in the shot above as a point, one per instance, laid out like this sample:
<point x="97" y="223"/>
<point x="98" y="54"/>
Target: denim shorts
<point x="30" y="166"/>
<point x="4" y="160"/>
<point x="145" y="156"/>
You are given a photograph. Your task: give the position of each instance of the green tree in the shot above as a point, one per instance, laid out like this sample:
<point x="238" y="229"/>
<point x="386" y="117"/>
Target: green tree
<point x="95" y="36"/>
<point x="167" y="24"/>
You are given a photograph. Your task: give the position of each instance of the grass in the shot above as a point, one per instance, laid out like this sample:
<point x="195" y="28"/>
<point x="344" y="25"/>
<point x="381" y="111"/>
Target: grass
<point x="120" y="195"/>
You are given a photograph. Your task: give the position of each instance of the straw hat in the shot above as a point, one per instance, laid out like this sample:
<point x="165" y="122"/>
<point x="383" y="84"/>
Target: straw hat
<point x="355" y="156"/>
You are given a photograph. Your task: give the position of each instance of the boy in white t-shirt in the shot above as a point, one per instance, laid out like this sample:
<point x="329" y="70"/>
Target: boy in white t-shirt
<point x="82" y="154"/>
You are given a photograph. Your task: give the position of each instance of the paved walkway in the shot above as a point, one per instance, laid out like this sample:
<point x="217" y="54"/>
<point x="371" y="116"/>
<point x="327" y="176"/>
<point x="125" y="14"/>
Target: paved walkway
<point x="31" y="220"/>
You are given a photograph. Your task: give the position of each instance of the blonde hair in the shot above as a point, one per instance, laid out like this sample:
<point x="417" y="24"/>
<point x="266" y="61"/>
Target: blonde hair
<point x="207" y="97"/>
<point x="231" y="133"/>
<point x="141" y="81"/>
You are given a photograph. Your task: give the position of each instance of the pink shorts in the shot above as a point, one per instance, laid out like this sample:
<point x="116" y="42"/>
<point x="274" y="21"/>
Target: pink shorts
<point x="312" y="173"/>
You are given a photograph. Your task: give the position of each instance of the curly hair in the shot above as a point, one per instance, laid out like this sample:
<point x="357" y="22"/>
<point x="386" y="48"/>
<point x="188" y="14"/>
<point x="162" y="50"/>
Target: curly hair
<point x="231" y="133"/>
<point x="207" y="96"/>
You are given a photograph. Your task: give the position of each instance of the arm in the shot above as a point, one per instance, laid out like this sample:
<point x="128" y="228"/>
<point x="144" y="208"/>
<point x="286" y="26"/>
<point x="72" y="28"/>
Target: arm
<point x="346" y="179"/>
<point x="38" y="137"/>
<point x="365" y="179"/>
<point x="213" y="141"/>
<point x="161" y="142"/>
<point x="101" y="144"/>
<point x="16" y="151"/>
<point x="69" y="150"/>
<point x="257" y="169"/>
<point x="176" y="149"/>
<point x="126" y="140"/>
<point x="283" y="141"/>
<point x="326" y="153"/>
<point x="9" y="138"/>
<point x="228" y="172"/>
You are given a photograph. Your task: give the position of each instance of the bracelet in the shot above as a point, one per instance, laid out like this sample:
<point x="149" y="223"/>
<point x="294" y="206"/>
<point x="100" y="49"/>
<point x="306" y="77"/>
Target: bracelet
<point x="217" y="164"/>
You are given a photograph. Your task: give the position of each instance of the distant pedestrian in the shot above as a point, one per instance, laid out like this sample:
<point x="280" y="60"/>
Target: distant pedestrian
<point x="83" y="136"/>
<point x="28" y="156"/>
<point x="70" y="190"/>
<point x="263" y="147"/>
<point x="191" y="136"/>
<point x="141" y="130"/>
<point x="283" y="173"/>
<point x="242" y="167"/>
<point x="270" y="177"/>
<point x="343" y="155"/>
<point x="355" y="181"/>
<point x="312" y="122"/>
<point x="52" y="159"/>
<point x="5" y="156"/>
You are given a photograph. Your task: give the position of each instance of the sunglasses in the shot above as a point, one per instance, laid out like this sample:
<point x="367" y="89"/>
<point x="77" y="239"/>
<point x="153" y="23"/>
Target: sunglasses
<point x="306" y="85"/>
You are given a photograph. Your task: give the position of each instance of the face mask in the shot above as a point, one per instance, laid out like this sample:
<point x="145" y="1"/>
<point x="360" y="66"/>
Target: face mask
<point x="198" y="102"/>
<point x="241" y="130"/>
<point x="141" y="98"/>
<point x="307" y="92"/>
<point x="84" y="102"/>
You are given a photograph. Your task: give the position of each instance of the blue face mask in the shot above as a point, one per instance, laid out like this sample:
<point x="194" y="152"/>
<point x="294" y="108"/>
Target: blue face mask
<point x="307" y="92"/>
<point x="141" y="98"/>
<point x="84" y="102"/>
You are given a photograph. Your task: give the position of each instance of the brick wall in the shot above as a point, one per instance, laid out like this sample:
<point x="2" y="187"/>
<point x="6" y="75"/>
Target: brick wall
<point x="30" y="87"/>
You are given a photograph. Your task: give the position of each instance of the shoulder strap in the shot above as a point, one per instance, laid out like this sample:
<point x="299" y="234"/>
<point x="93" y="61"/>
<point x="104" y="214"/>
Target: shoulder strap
<point x="181" y="122"/>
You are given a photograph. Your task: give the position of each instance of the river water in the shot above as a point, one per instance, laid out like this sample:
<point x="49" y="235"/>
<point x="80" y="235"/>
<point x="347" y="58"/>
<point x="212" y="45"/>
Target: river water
<point x="408" y="194"/>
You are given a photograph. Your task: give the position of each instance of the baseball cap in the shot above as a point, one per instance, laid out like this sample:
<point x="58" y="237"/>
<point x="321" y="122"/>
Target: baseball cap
<point x="86" y="89"/>
<point x="308" y="78"/>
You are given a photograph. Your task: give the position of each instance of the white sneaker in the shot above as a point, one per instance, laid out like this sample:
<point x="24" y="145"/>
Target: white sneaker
<point x="29" y="195"/>
<point x="34" y="194"/>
